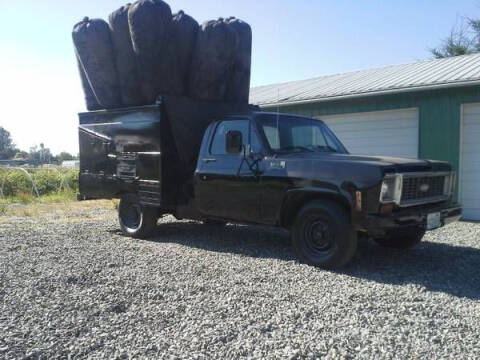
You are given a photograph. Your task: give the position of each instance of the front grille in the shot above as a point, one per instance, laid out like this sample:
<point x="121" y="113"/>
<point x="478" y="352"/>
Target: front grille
<point x="423" y="188"/>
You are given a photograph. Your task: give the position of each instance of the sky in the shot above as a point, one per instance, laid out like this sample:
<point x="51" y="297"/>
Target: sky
<point x="40" y="90"/>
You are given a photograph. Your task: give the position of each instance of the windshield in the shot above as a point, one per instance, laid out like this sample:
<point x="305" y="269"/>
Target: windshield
<point x="297" y="134"/>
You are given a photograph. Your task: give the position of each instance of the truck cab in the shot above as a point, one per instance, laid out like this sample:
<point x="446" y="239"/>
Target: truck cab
<point x="293" y="172"/>
<point x="272" y="169"/>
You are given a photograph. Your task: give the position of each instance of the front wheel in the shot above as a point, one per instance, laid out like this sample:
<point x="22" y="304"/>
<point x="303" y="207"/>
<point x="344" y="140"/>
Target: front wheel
<point x="322" y="235"/>
<point x="136" y="220"/>
<point x="402" y="239"/>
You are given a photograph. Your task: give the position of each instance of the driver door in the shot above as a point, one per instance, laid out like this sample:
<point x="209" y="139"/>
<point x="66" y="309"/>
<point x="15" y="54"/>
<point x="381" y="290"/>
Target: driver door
<point x="226" y="187"/>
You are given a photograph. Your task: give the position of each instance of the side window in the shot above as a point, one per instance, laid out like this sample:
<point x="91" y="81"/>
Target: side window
<point x="219" y="142"/>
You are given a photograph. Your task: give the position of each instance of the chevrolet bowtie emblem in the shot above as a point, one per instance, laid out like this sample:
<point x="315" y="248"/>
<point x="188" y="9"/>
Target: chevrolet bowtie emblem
<point x="424" y="187"/>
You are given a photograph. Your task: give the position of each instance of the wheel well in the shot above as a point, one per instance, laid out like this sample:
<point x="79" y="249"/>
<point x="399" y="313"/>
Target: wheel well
<point x="295" y="202"/>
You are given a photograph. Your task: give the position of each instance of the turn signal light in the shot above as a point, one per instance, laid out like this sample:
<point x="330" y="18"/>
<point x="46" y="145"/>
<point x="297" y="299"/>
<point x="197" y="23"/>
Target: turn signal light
<point x="358" y="201"/>
<point x="386" y="209"/>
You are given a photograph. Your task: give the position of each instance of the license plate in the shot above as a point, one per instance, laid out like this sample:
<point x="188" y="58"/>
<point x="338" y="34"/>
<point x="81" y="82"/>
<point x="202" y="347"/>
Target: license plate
<point x="433" y="221"/>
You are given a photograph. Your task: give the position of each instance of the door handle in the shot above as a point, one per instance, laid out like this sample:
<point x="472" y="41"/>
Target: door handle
<point x="209" y="160"/>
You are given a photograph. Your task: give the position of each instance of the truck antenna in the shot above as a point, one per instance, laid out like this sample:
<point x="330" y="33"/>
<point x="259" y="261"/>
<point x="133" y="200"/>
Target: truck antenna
<point x="278" y="117"/>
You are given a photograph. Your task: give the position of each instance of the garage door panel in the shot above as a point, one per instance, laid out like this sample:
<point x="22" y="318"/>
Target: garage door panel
<point x="367" y="138"/>
<point x="470" y="162"/>
<point x="471" y="214"/>
<point x="474" y="161"/>
<point x="474" y="196"/>
<point x="472" y="136"/>
<point x="376" y="115"/>
<point x="367" y="146"/>
<point x="471" y="109"/>
<point x="372" y="133"/>
<point x="378" y="132"/>
<point x="372" y="126"/>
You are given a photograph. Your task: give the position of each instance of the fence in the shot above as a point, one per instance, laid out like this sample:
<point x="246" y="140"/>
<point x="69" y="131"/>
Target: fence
<point x="36" y="181"/>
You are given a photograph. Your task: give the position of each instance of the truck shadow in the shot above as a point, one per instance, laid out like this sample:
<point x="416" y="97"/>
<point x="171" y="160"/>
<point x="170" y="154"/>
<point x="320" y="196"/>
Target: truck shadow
<point x="437" y="267"/>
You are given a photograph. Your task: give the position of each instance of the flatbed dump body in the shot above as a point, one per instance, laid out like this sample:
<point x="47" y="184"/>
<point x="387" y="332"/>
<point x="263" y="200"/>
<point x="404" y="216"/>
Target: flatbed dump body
<point x="150" y="150"/>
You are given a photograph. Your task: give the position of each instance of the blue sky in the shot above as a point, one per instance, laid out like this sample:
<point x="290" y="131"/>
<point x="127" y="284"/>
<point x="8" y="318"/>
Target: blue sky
<point x="40" y="89"/>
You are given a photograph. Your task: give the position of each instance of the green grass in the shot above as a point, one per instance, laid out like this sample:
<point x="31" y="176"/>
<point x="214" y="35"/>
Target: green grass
<point x="22" y="198"/>
<point x="53" y="185"/>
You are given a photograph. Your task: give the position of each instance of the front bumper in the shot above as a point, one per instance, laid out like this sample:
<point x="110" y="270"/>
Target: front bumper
<point x="378" y="225"/>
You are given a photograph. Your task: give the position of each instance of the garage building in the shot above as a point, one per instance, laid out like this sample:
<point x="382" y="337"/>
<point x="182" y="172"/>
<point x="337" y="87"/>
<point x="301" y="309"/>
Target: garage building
<point x="428" y="109"/>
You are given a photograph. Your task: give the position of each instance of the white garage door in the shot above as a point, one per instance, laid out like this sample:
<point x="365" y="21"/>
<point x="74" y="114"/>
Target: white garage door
<point x="392" y="133"/>
<point x="470" y="161"/>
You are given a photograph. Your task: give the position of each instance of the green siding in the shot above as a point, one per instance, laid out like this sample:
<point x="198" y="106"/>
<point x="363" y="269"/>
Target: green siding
<point x="439" y="112"/>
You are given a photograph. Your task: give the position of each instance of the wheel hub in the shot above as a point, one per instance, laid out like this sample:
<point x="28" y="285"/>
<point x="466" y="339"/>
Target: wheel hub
<point x="131" y="216"/>
<point x="320" y="236"/>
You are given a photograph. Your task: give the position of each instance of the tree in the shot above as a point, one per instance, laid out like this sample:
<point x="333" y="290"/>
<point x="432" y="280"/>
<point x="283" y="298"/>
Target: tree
<point x="65" y="156"/>
<point x="464" y="39"/>
<point x="41" y="155"/>
<point x="21" y="155"/>
<point x="7" y="147"/>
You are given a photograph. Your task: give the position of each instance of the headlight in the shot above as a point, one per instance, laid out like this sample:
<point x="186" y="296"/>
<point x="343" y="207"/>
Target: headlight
<point x="391" y="190"/>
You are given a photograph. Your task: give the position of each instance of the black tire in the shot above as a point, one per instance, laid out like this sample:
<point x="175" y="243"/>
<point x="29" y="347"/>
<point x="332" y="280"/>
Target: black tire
<point x="211" y="222"/>
<point x="136" y="220"/>
<point x="402" y="239"/>
<point x="322" y="235"/>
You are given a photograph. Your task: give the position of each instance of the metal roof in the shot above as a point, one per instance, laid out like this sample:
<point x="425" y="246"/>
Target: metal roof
<point x="431" y="74"/>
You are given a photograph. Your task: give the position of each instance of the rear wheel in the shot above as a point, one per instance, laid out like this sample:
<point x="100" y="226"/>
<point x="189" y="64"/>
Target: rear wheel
<point x="136" y="220"/>
<point x="402" y="239"/>
<point x="323" y="236"/>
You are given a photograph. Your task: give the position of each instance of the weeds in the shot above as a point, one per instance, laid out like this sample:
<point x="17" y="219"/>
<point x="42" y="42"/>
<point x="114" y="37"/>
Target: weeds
<point x="54" y="182"/>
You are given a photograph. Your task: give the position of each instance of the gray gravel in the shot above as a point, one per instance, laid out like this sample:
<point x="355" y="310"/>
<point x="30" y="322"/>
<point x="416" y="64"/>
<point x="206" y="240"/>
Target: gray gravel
<point x="76" y="288"/>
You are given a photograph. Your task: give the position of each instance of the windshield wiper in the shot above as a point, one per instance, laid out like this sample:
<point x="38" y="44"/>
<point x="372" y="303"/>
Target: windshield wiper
<point x="325" y="148"/>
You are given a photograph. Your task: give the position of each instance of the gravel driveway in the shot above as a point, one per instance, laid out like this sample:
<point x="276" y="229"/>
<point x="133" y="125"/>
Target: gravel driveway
<point x="72" y="286"/>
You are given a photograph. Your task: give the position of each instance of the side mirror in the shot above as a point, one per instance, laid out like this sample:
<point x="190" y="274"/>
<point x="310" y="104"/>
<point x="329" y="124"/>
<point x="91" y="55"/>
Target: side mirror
<point x="234" y="142"/>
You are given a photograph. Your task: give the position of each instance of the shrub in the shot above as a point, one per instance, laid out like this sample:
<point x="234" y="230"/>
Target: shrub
<point x="70" y="180"/>
<point x="16" y="182"/>
<point x="47" y="181"/>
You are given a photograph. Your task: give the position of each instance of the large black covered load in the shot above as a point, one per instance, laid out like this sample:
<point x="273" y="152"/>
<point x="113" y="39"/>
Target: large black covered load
<point x="238" y="86"/>
<point x="151" y="28"/>
<point x="90" y="99"/>
<point x="185" y="29"/>
<point x="125" y="58"/>
<point x="93" y="45"/>
<point x="147" y="52"/>
<point x="213" y="59"/>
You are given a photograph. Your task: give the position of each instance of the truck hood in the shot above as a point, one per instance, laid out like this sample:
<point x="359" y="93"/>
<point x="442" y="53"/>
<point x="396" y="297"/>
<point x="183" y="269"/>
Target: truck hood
<point x="388" y="164"/>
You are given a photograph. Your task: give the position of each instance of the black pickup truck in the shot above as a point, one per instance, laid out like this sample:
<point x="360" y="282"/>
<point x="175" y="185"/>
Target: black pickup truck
<point x="220" y="162"/>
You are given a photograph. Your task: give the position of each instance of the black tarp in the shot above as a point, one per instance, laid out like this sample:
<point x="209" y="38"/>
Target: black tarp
<point x="151" y="28"/>
<point x="93" y="45"/>
<point x="185" y="29"/>
<point x="126" y="60"/>
<point x="189" y="119"/>
<point x="238" y="87"/>
<point x="90" y="100"/>
<point x="213" y="60"/>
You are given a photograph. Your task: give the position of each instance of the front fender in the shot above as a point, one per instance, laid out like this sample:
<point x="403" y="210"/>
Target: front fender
<point x="295" y="198"/>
